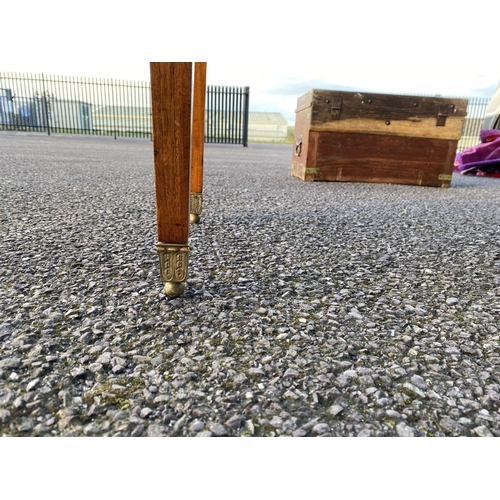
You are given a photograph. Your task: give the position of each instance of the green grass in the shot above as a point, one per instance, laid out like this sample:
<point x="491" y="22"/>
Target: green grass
<point x="286" y="140"/>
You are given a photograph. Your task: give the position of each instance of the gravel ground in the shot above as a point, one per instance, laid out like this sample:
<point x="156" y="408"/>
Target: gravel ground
<point x="312" y="309"/>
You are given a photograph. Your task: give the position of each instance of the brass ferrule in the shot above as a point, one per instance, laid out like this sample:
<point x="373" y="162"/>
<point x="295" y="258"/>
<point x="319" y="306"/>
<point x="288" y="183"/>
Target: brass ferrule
<point x="173" y="262"/>
<point x="195" y="203"/>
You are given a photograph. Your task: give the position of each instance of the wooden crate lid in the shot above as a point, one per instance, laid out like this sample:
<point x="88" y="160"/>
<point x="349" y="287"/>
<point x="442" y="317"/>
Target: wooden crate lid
<point x="386" y="114"/>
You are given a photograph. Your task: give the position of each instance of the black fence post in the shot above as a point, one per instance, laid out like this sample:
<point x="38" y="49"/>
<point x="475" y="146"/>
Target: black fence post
<point x="45" y="106"/>
<point x="245" y="117"/>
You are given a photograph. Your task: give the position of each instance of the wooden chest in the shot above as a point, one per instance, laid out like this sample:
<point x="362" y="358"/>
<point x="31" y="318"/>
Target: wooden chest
<point x="361" y="137"/>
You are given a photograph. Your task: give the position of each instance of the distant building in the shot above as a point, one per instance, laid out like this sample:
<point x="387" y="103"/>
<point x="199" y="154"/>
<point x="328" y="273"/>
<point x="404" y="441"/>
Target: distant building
<point x="263" y="126"/>
<point x="122" y="118"/>
<point x="70" y="114"/>
<point x="6" y="107"/>
<point x="20" y="111"/>
<point x="38" y="112"/>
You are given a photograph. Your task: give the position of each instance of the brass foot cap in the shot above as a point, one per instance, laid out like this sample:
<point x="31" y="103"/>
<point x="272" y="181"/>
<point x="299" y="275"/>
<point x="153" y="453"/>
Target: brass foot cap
<point x="174" y="289"/>
<point x="194" y="218"/>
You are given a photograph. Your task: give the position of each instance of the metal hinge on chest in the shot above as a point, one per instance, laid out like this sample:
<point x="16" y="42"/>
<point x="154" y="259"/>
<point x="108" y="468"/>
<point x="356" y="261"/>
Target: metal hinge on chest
<point x="336" y="107"/>
<point x="444" y="111"/>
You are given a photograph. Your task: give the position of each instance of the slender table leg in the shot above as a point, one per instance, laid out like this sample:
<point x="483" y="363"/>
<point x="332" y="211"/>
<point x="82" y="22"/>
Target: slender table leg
<point x="198" y="140"/>
<point x="171" y="85"/>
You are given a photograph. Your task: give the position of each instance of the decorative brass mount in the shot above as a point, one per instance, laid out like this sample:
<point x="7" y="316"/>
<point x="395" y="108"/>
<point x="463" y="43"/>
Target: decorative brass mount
<point x="173" y="267"/>
<point x="195" y="208"/>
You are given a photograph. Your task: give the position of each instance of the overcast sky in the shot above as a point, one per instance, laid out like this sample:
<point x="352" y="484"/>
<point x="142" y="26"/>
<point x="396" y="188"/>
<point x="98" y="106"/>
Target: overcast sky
<point x="279" y="49"/>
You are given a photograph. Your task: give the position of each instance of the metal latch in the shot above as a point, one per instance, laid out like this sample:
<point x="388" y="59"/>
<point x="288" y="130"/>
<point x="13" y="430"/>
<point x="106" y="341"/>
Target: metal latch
<point x="336" y="108"/>
<point x="298" y="145"/>
<point x="444" y="111"/>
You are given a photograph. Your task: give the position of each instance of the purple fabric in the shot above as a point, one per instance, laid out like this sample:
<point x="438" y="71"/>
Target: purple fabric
<point x="483" y="159"/>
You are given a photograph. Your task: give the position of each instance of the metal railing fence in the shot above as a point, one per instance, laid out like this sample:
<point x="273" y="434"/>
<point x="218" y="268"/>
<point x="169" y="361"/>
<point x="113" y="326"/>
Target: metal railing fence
<point x="97" y="106"/>
<point x="78" y="105"/>
<point x="476" y="111"/>
<point x="226" y="114"/>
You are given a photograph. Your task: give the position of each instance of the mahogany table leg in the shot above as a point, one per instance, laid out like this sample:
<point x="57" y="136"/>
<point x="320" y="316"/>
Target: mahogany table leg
<point x="171" y="85"/>
<point x="198" y="140"/>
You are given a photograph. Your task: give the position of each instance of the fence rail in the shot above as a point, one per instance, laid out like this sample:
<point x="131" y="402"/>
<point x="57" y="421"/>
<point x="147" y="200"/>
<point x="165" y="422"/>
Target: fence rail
<point x="77" y="105"/>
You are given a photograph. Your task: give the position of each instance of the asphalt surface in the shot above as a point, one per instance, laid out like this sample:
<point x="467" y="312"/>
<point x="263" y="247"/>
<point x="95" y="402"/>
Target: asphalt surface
<point x="311" y="309"/>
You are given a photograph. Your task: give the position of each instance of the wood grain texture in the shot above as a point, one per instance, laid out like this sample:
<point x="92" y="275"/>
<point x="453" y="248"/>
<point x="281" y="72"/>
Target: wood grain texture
<point x="424" y="127"/>
<point x="377" y="137"/>
<point x="198" y="131"/>
<point x="369" y="105"/>
<point x="171" y="85"/>
<point x="373" y="158"/>
<point x="385" y="114"/>
<point x="301" y="134"/>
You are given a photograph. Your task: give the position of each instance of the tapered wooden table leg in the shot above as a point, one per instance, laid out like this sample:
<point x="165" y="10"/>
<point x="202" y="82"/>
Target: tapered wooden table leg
<point x="171" y="85"/>
<point x="198" y="140"/>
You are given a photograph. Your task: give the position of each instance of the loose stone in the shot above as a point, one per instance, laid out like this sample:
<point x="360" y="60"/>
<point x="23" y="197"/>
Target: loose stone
<point x="344" y="334"/>
<point x="321" y="428"/>
<point x="483" y="431"/>
<point x="218" y="430"/>
<point x="404" y="430"/>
